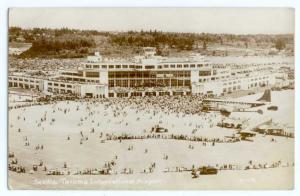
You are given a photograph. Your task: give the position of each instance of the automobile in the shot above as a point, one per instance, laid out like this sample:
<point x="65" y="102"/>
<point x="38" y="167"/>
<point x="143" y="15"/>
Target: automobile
<point x="274" y="108"/>
<point x="208" y="170"/>
<point x="158" y="129"/>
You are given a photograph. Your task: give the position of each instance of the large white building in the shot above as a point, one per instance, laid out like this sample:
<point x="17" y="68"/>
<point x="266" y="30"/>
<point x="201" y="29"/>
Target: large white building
<point x="149" y="75"/>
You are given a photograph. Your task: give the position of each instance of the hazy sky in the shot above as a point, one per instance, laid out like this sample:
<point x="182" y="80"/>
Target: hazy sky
<point x="208" y="20"/>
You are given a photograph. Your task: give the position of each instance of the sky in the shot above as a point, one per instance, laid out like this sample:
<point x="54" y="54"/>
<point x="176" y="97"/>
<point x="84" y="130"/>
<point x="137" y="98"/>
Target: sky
<point x="196" y="20"/>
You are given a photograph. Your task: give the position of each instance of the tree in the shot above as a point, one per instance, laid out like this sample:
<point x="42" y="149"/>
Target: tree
<point x="280" y="44"/>
<point x="204" y="45"/>
<point x="221" y="40"/>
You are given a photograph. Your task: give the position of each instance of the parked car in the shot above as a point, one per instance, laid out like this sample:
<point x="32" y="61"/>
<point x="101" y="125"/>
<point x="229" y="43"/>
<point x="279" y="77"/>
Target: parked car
<point x="274" y="108"/>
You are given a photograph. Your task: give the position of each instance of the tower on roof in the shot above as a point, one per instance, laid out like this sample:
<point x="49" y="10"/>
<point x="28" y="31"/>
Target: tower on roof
<point x="149" y="51"/>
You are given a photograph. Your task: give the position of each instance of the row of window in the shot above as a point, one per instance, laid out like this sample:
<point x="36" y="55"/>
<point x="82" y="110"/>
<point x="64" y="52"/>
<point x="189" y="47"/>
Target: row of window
<point x="92" y="74"/>
<point x="149" y="83"/>
<point x="80" y="73"/>
<point x="260" y="78"/>
<point x="139" y="94"/>
<point x="205" y="73"/>
<point x="230" y="89"/>
<point x="25" y="80"/>
<point x="56" y="90"/>
<point x="148" y="74"/>
<point x="26" y="86"/>
<point x="146" y="66"/>
<point x="57" y="84"/>
<point x="234" y="82"/>
<point x="258" y="84"/>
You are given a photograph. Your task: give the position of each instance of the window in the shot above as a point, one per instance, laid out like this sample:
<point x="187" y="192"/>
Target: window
<point x="111" y="66"/>
<point x="150" y="66"/>
<point x="111" y="83"/>
<point x="179" y="66"/>
<point x="124" y="66"/>
<point x="118" y="66"/>
<point x="186" y="65"/>
<point x="104" y="66"/>
<point x="172" y="66"/>
<point x="166" y="66"/>
<point x="92" y="74"/>
<point x="173" y="82"/>
<point x="180" y="82"/>
<point x="192" y="65"/>
<point x="187" y="83"/>
<point x="204" y="73"/>
<point x="132" y="83"/>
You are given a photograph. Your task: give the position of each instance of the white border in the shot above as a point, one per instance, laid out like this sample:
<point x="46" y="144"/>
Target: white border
<point x="5" y="4"/>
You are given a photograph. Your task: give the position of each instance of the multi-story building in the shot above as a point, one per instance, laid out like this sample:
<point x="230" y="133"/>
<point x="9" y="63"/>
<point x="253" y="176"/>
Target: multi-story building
<point x="149" y="75"/>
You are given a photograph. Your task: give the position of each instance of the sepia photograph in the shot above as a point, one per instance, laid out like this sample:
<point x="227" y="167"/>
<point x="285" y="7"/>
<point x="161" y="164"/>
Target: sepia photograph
<point x="151" y="98"/>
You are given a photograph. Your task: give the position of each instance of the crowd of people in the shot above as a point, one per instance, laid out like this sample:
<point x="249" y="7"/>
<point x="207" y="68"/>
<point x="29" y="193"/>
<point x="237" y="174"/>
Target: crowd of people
<point x="170" y="136"/>
<point x="43" y="64"/>
<point x="109" y="168"/>
<point x="191" y="104"/>
<point x="14" y="165"/>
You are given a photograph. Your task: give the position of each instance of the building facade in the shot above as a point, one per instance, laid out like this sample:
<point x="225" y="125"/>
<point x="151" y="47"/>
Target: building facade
<point x="149" y="75"/>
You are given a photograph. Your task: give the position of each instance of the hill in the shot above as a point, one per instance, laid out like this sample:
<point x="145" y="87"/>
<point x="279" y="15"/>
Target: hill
<point x="69" y="43"/>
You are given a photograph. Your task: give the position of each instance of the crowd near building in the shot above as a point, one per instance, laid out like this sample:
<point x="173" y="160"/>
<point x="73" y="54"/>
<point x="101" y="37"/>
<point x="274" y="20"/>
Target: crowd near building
<point x="152" y="75"/>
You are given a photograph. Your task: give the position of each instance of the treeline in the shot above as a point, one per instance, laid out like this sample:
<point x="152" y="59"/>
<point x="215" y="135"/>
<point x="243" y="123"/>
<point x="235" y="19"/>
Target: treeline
<point x="181" y="41"/>
<point x="64" y="46"/>
<point x="149" y="38"/>
<point x="65" y="42"/>
<point x="29" y="35"/>
<point x="187" y="41"/>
